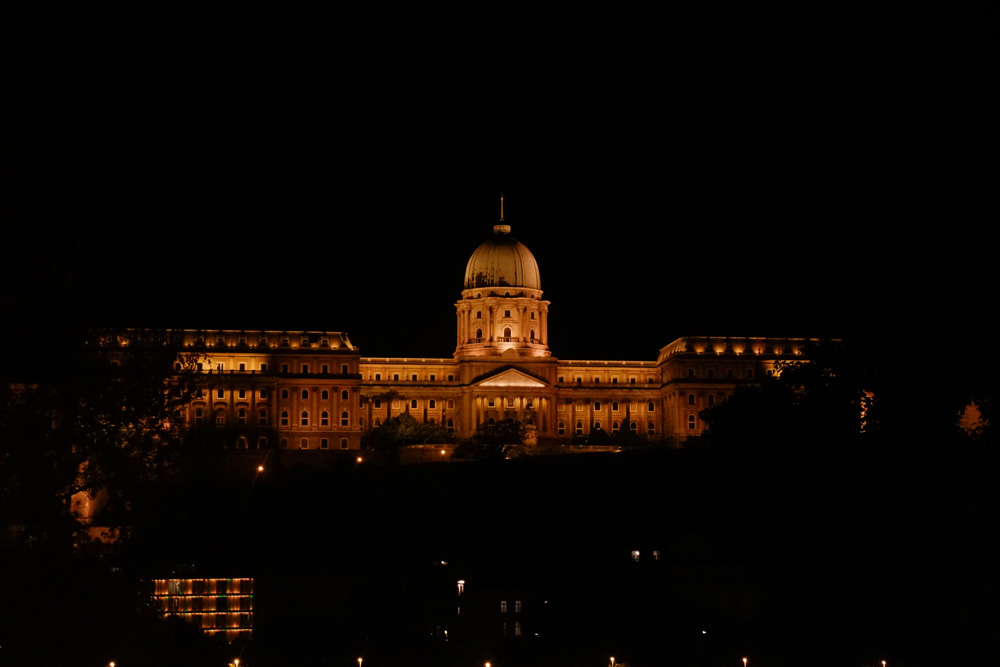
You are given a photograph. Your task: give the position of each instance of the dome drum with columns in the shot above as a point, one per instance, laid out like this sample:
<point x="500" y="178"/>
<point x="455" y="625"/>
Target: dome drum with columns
<point x="502" y="311"/>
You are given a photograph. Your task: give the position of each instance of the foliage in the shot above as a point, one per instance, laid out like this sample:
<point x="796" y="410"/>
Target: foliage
<point x="396" y="432"/>
<point x="100" y="421"/>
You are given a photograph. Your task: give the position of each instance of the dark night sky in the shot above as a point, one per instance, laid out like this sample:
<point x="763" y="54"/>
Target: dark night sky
<point x="712" y="172"/>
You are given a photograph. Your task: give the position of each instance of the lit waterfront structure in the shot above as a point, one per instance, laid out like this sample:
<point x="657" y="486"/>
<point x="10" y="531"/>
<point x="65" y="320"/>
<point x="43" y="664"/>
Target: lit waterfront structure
<point x="216" y="606"/>
<point x="312" y="390"/>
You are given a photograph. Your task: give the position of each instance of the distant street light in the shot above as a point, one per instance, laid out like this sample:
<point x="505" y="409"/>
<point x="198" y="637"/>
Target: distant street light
<point x="359" y="662"/>
<point x="744" y="662"/>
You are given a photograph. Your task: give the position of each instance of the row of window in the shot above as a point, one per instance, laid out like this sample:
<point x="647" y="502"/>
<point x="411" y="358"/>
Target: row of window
<point x="615" y="427"/>
<point x="597" y="380"/>
<point x="286" y="369"/>
<point x="263" y="394"/>
<point x="615" y="406"/>
<point x="263" y="341"/>
<point x="414" y="377"/>
<point x="262" y="417"/>
<point x="414" y="404"/>
<point x="304" y="443"/>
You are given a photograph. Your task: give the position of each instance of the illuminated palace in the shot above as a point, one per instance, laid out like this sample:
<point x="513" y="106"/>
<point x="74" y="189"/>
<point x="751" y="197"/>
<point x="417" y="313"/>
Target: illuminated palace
<point x="314" y="391"/>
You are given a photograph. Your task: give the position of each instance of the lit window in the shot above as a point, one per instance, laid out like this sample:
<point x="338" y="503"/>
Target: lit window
<point x="461" y="586"/>
<point x="503" y="606"/>
<point x="635" y="556"/>
<point x="517" y="606"/>
<point x="517" y="628"/>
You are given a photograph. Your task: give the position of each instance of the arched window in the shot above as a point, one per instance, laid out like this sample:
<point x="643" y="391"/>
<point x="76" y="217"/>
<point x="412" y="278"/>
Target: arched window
<point x="506" y="332"/>
<point x="344" y="418"/>
<point x="450" y="426"/>
<point x="284" y="393"/>
<point x="479" y="333"/>
<point x="597" y="426"/>
<point x="199" y="416"/>
<point x="711" y="399"/>
<point x="614" y="406"/>
<point x="651" y="406"/>
<point x="262" y="417"/>
<point x="690" y="422"/>
<point x="633" y="427"/>
<point x="651" y="427"/>
<point x="413" y="404"/>
<point x="597" y="406"/>
<point x="614" y="427"/>
<point x="241" y="417"/>
<point x="304" y="418"/>
<point x="324" y="418"/>
<point x="561" y="428"/>
<point x="324" y="395"/>
<point x="284" y="417"/>
<point x="305" y="394"/>
<point x="579" y="428"/>
<point x="532" y="332"/>
<point x="690" y="399"/>
<point x="431" y="404"/>
<point x="344" y="395"/>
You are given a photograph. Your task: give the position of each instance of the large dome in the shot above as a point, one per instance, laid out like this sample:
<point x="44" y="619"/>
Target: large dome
<point x="502" y="261"/>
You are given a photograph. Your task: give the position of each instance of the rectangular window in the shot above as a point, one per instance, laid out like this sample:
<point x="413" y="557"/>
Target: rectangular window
<point x="324" y="443"/>
<point x="242" y="393"/>
<point x="305" y="369"/>
<point x="219" y="393"/>
<point x="325" y="369"/>
<point x="263" y="394"/>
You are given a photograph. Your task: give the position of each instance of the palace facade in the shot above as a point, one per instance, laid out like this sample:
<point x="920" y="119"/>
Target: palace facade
<point x="312" y="390"/>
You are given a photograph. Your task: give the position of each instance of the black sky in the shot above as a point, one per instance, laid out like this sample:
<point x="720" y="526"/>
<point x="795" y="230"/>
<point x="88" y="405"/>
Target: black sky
<point x="710" y="172"/>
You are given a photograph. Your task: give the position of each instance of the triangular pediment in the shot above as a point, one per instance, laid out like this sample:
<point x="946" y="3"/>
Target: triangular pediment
<point x="511" y="378"/>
